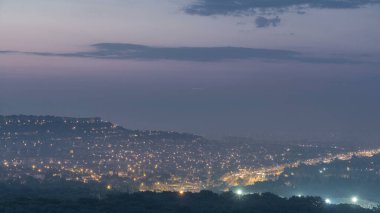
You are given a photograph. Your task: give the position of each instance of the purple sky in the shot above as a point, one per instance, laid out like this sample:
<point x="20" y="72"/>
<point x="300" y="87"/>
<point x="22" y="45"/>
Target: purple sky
<point x="272" y="71"/>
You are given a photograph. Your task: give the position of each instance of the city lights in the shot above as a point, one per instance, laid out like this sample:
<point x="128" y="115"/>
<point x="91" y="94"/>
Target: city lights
<point x="354" y="199"/>
<point x="239" y="192"/>
<point x="114" y="152"/>
<point x="109" y="187"/>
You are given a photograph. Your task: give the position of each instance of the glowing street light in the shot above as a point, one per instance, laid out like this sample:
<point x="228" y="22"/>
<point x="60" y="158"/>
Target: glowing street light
<point x="109" y="187"/>
<point x="239" y="192"/>
<point x="328" y="201"/>
<point x="354" y="199"/>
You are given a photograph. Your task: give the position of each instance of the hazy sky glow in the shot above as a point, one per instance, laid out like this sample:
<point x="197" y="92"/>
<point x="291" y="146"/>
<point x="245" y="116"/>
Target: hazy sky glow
<point x="268" y="69"/>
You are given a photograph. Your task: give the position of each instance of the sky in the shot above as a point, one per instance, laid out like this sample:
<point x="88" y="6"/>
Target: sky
<point x="265" y="69"/>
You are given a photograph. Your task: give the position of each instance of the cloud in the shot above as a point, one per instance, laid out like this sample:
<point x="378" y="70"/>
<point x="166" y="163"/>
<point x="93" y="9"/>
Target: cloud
<point x="141" y="52"/>
<point x="237" y="7"/>
<point x="262" y="22"/>
<point x="125" y="51"/>
<point x="6" y="52"/>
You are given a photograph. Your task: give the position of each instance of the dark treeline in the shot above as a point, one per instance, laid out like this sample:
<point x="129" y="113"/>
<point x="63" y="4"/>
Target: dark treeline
<point x="205" y="202"/>
<point x="52" y="188"/>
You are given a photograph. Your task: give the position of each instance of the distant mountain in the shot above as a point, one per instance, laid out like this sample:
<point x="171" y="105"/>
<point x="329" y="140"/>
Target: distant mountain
<point x="52" y="127"/>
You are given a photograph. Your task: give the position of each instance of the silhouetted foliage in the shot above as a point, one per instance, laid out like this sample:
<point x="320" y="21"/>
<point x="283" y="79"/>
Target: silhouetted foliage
<point x="171" y="202"/>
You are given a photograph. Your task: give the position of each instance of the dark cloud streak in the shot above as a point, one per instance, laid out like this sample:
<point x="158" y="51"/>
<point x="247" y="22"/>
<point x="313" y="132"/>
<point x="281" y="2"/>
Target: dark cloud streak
<point x="124" y="51"/>
<point x="132" y="51"/>
<point x="262" y="22"/>
<point x="6" y="52"/>
<point x="237" y="7"/>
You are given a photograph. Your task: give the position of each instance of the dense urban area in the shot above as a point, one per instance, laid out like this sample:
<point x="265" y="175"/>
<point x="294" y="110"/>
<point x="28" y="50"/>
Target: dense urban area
<point x="96" y="152"/>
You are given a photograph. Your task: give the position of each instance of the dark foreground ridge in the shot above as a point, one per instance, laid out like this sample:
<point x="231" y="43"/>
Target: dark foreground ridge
<point x="205" y="201"/>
